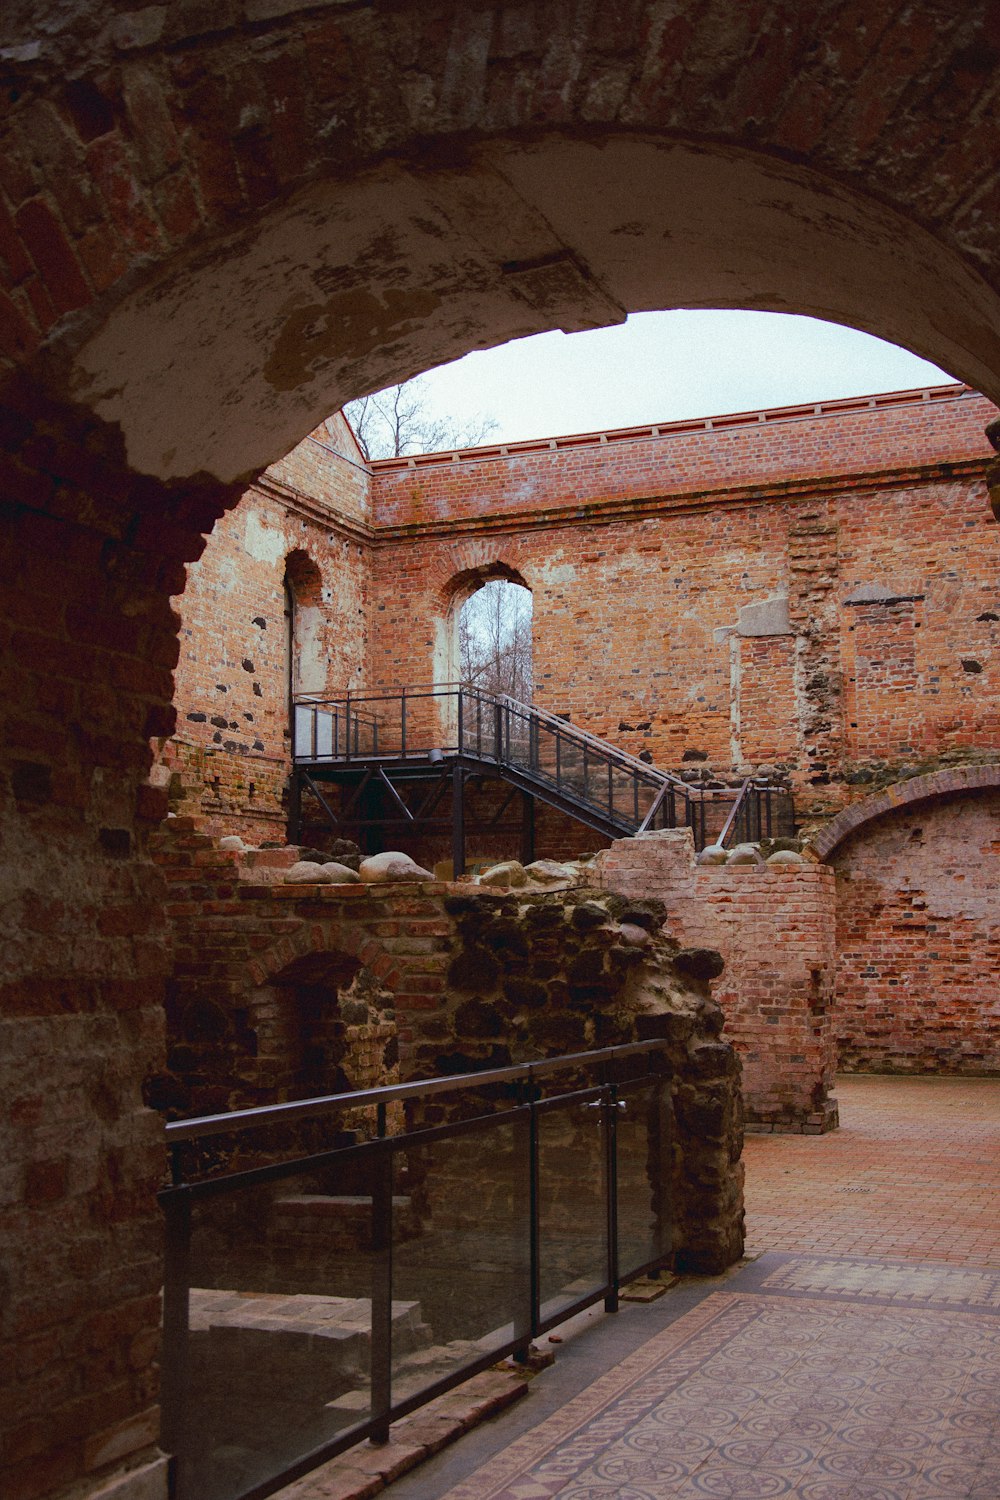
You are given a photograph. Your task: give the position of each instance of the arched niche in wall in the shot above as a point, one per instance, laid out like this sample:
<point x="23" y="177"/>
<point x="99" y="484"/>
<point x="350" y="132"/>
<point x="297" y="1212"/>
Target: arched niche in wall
<point x="305" y="655"/>
<point x="323" y="1025"/>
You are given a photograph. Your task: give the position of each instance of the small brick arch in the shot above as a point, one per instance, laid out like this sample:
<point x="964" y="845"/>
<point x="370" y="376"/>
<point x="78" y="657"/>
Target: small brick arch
<point x="303" y="577"/>
<point x="329" y="936"/>
<point x="935" y="784"/>
<point x="461" y="568"/>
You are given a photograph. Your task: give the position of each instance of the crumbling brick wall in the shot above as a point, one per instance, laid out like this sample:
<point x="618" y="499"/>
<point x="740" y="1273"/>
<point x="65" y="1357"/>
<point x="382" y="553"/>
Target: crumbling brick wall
<point x="918" y="938"/>
<point x="774" y="928"/>
<point x="816" y="588"/>
<point x="306" y="519"/>
<point x="477" y="979"/>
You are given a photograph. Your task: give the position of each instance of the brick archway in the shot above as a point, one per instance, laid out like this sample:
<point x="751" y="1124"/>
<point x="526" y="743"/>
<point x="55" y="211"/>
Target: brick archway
<point x="208" y="240"/>
<point x="330" y="936"/>
<point x="937" y="784"/>
<point x="225" y="234"/>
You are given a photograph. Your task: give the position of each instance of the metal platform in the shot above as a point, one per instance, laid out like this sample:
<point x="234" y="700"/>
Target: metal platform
<point x="419" y="758"/>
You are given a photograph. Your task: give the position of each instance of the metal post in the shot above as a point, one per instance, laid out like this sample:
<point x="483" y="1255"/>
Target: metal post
<point x="402" y="724"/>
<point x="534" y="1248"/>
<point x="611" y="1173"/>
<point x="174" y="1360"/>
<point x="457" y="822"/>
<point x="461" y="721"/>
<point x="527" y="828"/>
<point x="381" y="1347"/>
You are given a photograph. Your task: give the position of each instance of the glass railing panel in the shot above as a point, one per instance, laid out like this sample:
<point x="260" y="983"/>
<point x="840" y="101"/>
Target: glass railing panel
<point x="572" y="1203"/>
<point x="624" y="786"/>
<point x="645" y="1226"/>
<point x="461" y="1269"/>
<point x="278" y="1354"/>
<point x="302" y="722"/>
<point x="324" y="733"/>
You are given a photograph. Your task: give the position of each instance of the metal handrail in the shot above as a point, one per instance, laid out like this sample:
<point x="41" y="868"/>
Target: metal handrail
<point x="299" y="1109"/>
<point x="652" y="775"/>
<point x="217" y="1239"/>
<point x="741" y="797"/>
<point x="575" y="731"/>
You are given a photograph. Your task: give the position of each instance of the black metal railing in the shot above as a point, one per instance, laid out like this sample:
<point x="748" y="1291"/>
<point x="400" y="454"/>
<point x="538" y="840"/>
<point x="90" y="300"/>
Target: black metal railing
<point x="760" y="812"/>
<point x="311" y="1300"/>
<point x="540" y="748"/>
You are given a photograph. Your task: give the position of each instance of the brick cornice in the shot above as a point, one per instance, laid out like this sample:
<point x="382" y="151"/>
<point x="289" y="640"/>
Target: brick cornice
<point x="300" y="504"/>
<point x="951" y="782"/>
<point x="606" y="512"/>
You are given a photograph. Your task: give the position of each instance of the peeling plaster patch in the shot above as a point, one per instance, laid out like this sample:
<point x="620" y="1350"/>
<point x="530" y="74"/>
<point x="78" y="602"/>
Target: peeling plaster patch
<point x="551" y="573"/>
<point x="346" y="325"/>
<point x="263" y="543"/>
<point x="310" y="667"/>
<point x="768" y="617"/>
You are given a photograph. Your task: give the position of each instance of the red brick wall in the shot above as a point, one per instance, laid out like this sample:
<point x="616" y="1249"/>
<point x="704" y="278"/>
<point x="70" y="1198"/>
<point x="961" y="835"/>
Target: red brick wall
<point x="775" y="931"/>
<point x="777" y="936"/>
<point x="644" y="593"/>
<point x="88" y="555"/>
<point x="918" y="938"/>
<point x="789" y="447"/>
<point x="306" y="516"/>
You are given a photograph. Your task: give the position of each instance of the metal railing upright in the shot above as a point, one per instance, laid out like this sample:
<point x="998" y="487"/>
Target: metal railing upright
<point x="313" y="1298"/>
<point x="542" y="748"/>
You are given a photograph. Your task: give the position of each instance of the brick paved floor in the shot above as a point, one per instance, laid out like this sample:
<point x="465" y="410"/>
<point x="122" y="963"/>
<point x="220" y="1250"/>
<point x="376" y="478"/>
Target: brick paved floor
<point x="913" y="1173"/>
<point x="858" y="1358"/>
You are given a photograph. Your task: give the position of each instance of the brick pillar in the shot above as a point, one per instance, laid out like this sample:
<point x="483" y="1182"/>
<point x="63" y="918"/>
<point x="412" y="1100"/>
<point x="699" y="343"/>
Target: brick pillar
<point x="775" y="929"/>
<point x="90" y="555"/>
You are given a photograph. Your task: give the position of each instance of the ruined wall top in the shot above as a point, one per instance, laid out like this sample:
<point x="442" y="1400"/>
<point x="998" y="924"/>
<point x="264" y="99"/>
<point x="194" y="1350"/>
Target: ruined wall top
<point x="777" y="449"/>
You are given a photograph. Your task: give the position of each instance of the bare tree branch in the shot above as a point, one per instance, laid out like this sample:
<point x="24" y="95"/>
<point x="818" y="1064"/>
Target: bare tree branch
<point x="399" y="421"/>
<point x="495" y="639"/>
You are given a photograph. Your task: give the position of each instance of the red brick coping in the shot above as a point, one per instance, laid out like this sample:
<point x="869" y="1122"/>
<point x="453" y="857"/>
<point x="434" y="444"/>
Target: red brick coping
<point x="917" y="789"/>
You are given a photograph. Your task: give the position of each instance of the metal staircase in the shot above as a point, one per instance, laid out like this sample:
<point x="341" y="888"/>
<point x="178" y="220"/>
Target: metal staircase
<point x="394" y="755"/>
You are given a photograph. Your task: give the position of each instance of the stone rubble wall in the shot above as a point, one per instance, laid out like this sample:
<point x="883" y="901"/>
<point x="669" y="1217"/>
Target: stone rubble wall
<point x="476" y="978"/>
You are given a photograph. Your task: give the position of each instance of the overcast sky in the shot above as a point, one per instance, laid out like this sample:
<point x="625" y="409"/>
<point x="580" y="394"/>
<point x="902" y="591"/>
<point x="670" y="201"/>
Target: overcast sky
<point x="659" y="367"/>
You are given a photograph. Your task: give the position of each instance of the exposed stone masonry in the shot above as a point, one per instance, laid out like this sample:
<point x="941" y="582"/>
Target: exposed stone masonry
<point x="467" y="978"/>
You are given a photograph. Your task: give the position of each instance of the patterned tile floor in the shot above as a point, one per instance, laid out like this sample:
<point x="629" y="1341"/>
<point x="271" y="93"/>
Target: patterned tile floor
<point x="857" y="1359"/>
<point x="912" y="1173"/>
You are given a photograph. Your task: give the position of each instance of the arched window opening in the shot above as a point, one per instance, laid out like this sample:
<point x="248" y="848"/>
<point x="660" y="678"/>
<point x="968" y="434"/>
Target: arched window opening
<point x="494" y="638"/>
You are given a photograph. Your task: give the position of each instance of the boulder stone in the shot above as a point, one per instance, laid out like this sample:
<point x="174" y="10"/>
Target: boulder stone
<point x="307" y="872"/>
<point x="713" y="854"/>
<point x="744" y="854"/>
<point x="392" y="865"/>
<point x="339" y="874"/>
<point x="699" y="963"/>
<point x="636" y="937"/>
<point x="785" y="857"/>
<point x="510" y="872"/>
<point x="550" y="872"/>
<point x="231" y="841"/>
